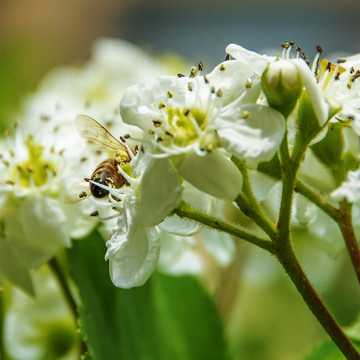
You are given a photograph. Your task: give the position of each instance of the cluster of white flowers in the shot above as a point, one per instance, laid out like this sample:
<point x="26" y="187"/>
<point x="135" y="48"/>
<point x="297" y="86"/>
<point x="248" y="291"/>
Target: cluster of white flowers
<point x="184" y="133"/>
<point x="191" y="127"/>
<point x="43" y="158"/>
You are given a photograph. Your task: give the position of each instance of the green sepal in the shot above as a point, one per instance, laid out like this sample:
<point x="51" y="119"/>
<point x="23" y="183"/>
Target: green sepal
<point x="330" y="149"/>
<point x="271" y="168"/>
<point x="282" y="92"/>
<point x="306" y="121"/>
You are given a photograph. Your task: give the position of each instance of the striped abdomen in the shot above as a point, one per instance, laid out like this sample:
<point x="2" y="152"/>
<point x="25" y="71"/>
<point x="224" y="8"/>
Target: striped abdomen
<point x="106" y="173"/>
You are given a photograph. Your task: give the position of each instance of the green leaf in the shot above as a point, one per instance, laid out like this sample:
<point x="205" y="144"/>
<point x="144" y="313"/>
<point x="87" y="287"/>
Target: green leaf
<point x="327" y="351"/>
<point x="167" y="318"/>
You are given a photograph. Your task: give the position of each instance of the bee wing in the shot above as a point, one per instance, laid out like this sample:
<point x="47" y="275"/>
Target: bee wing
<point x="97" y="135"/>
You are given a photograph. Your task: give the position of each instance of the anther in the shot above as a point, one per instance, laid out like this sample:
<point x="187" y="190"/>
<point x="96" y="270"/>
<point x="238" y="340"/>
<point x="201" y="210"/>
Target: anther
<point x="212" y="89"/>
<point x="82" y="195"/>
<point x="9" y="182"/>
<point x="341" y="61"/>
<point x="162" y="105"/>
<point x="44" y="117"/>
<point x="180" y="75"/>
<point x="151" y="132"/>
<point x="83" y="159"/>
<point x="94" y="213"/>
<point x="127" y="136"/>
<point x="200" y="66"/>
<point x="219" y="93"/>
<point x="167" y="132"/>
<point x="227" y="58"/>
<point x="222" y="67"/>
<point x="87" y="179"/>
<point x="56" y="129"/>
<point x="157" y="123"/>
<point x="61" y="151"/>
<point x="142" y="149"/>
<point x="122" y="139"/>
<point x="319" y="49"/>
<point x="245" y="115"/>
<point x="192" y="72"/>
<point x="206" y="80"/>
<point x="170" y="94"/>
<point x="5" y="162"/>
<point x="190" y="86"/>
<point x="159" y="139"/>
<point x="187" y="112"/>
<point x="292" y="43"/>
<point x="248" y="84"/>
<point x="209" y="148"/>
<point x="11" y="153"/>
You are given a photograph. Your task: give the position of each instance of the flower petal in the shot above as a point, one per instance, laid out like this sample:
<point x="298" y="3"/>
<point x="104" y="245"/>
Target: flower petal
<point x="256" y="61"/>
<point x="213" y="173"/>
<point x="256" y="138"/>
<point x="160" y="192"/>
<point x="132" y="256"/>
<point x="321" y="107"/>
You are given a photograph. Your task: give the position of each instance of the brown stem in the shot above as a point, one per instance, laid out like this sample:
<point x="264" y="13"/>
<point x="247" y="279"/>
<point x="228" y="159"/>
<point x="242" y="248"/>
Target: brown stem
<point x="291" y="265"/>
<point x="347" y="230"/>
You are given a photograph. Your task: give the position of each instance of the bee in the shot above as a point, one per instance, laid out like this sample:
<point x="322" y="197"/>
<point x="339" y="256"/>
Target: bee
<point x="107" y="172"/>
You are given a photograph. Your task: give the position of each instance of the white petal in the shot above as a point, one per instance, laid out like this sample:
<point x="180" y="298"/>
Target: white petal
<point x="320" y="106"/>
<point x="12" y="269"/>
<point x="160" y="192"/>
<point x="179" y="255"/>
<point x="350" y="189"/>
<point x="197" y="199"/>
<point x="35" y="228"/>
<point x="212" y="173"/>
<point x="132" y="256"/>
<point x="220" y="245"/>
<point x="256" y="138"/>
<point x="256" y="61"/>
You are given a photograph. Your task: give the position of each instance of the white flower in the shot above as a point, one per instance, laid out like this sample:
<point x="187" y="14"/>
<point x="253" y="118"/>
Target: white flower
<point x="41" y="327"/>
<point x="258" y="64"/>
<point x="196" y="120"/>
<point x="32" y="219"/>
<point x="154" y="191"/>
<point x="350" y="189"/>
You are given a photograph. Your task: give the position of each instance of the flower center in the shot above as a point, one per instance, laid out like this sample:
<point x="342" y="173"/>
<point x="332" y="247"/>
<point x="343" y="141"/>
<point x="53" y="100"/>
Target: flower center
<point x="185" y="125"/>
<point x="34" y="171"/>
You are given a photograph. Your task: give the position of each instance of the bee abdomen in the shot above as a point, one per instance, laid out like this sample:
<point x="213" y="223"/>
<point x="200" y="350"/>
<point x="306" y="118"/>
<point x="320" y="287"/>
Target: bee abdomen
<point x="106" y="174"/>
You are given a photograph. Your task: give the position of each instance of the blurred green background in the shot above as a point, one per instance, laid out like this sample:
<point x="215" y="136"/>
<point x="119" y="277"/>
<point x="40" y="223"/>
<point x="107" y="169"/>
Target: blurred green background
<point x="265" y="317"/>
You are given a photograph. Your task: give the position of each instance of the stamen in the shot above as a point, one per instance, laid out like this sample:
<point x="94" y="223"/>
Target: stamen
<point x="192" y="72"/>
<point x="82" y="195"/>
<point x="162" y="105"/>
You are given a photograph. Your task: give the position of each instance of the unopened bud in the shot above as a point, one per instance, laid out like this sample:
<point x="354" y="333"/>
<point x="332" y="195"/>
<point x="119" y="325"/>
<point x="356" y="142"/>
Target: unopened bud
<point x="282" y="85"/>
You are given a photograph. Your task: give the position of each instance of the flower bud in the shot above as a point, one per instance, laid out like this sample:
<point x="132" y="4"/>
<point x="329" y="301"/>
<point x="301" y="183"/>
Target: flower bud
<point x="282" y="85"/>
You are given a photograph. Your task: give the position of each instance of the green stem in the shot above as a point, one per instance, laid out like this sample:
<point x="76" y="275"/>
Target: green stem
<point x="186" y="211"/>
<point x="257" y="216"/>
<point x="290" y="166"/>
<point x="347" y="230"/>
<point x="61" y="279"/>
<point x="293" y="268"/>
<point x="330" y="210"/>
<point x="247" y="189"/>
